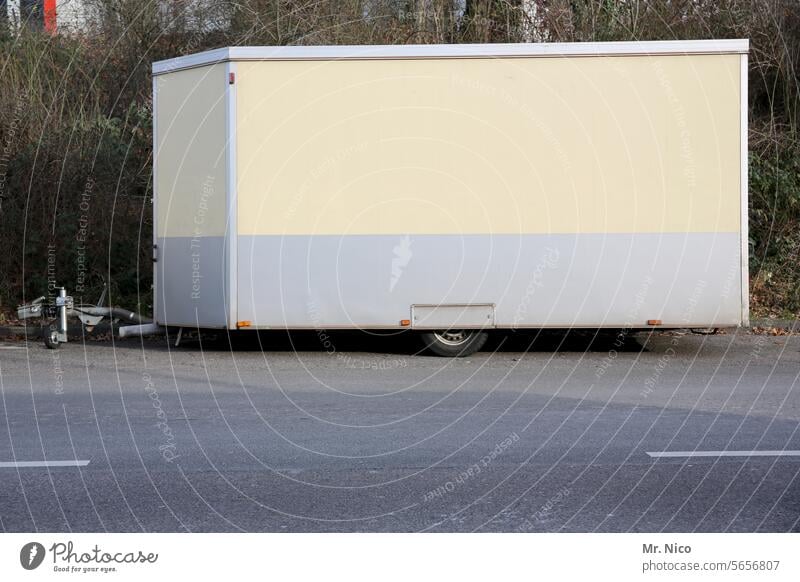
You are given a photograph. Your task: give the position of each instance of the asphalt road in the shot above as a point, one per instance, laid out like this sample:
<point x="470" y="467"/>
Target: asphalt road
<point x="547" y="432"/>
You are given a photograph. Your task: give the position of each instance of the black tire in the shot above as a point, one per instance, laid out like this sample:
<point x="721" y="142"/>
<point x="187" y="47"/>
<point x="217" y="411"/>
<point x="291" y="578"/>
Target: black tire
<point x="454" y="343"/>
<point x="50" y="335"/>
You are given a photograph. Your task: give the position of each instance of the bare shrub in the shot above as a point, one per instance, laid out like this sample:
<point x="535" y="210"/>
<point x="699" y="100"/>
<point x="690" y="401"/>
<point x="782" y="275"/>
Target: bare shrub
<point x="75" y="113"/>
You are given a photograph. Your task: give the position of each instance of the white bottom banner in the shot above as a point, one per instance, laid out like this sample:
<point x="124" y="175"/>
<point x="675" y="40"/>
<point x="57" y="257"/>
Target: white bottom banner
<point x="401" y="557"/>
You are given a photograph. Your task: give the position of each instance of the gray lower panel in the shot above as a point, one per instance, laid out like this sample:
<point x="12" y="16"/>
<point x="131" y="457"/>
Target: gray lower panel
<point x="587" y="280"/>
<point x="190" y="282"/>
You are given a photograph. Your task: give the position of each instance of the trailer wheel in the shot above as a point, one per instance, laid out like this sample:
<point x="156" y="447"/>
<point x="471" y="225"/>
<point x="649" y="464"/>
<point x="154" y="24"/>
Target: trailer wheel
<point x="454" y="343"/>
<point x="50" y="335"/>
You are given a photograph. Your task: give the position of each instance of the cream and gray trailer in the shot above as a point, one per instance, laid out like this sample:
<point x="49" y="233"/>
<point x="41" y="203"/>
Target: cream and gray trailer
<point x="452" y="189"/>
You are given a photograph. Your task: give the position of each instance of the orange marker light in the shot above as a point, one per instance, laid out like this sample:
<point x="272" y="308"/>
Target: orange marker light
<point x="653" y="322"/>
<point x="405" y="322"/>
<point x="242" y="324"/>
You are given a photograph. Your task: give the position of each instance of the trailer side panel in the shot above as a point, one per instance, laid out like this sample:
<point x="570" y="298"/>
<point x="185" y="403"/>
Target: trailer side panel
<point x="190" y="184"/>
<point x="575" y="191"/>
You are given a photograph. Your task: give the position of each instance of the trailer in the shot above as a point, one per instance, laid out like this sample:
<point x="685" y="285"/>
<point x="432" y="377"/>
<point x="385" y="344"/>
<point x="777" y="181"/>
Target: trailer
<point x="452" y="189"/>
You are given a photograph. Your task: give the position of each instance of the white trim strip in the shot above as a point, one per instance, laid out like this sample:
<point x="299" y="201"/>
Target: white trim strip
<point x="743" y="185"/>
<point x="24" y="464"/>
<point x="231" y="228"/>
<point x="154" y="250"/>
<point x="451" y="51"/>
<point x="678" y="454"/>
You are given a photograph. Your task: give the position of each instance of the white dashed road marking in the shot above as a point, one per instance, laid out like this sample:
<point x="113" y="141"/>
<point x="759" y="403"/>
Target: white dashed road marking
<point x="725" y="454"/>
<point x="23" y="464"/>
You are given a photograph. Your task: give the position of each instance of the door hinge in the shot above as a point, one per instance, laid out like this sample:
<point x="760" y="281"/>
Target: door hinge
<point x="155" y="253"/>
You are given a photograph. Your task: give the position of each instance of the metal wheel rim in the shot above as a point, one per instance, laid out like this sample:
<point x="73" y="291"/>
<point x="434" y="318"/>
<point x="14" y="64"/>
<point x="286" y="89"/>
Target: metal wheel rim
<point x="453" y="337"/>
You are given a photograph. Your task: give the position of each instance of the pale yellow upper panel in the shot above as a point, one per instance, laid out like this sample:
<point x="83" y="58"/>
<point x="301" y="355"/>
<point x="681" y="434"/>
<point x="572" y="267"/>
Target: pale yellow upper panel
<point x="191" y="177"/>
<point x="527" y="145"/>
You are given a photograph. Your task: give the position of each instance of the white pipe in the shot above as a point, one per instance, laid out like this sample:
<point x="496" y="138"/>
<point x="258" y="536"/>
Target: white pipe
<point x="62" y="314"/>
<point x="135" y="330"/>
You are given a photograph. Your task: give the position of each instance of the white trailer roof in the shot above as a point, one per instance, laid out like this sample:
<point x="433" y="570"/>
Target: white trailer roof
<point x="451" y="51"/>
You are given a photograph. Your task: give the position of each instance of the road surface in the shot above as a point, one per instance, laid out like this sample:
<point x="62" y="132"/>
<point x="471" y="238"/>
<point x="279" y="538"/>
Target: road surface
<point x="339" y="432"/>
